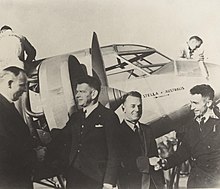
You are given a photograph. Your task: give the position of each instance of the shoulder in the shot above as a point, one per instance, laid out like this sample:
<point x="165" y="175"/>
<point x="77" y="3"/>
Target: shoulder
<point x="214" y="121"/>
<point x="105" y="111"/>
<point x="146" y="128"/>
<point x="4" y="104"/>
<point x="74" y="116"/>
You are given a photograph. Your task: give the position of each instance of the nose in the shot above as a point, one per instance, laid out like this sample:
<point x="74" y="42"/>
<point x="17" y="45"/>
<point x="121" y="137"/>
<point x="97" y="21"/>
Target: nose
<point x="77" y="95"/>
<point x="136" y="108"/>
<point x="25" y="89"/>
<point x="192" y="107"/>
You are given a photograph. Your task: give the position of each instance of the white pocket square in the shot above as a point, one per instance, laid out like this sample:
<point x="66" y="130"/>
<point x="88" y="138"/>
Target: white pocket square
<point x="98" y="126"/>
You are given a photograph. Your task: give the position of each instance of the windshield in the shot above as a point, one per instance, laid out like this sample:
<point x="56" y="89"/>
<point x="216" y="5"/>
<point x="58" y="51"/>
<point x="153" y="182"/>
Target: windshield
<point x="130" y="61"/>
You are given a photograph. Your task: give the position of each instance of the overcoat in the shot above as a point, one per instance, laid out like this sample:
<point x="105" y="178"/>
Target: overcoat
<point x="16" y="152"/>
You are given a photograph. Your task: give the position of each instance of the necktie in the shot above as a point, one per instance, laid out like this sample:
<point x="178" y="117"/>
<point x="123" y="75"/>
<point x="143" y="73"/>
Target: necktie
<point x="83" y="114"/>
<point x="136" y="130"/>
<point x="201" y="124"/>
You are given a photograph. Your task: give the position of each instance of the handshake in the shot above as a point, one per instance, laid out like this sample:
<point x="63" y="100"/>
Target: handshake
<point x="157" y="163"/>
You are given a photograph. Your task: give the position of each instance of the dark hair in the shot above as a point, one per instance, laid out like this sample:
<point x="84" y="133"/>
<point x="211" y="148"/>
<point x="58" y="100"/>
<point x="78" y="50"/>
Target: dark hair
<point x="91" y="81"/>
<point x="131" y="93"/>
<point x="204" y="90"/>
<point x="5" y="27"/>
<point x="15" y="70"/>
<point x="196" y="38"/>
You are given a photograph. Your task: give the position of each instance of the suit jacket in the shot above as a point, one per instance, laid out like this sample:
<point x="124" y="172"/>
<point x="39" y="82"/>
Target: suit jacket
<point x="16" y="152"/>
<point x="202" y="147"/>
<point x="91" y="144"/>
<point x="131" y="148"/>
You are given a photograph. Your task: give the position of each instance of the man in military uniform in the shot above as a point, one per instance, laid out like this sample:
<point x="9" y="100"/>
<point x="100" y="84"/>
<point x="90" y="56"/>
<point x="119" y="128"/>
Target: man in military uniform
<point x="90" y="145"/>
<point x="201" y="142"/>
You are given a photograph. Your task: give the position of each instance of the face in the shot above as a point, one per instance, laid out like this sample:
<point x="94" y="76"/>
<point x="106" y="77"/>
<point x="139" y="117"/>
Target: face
<point x="199" y="104"/>
<point x="132" y="108"/>
<point x="194" y="44"/>
<point x="18" y="86"/>
<point x="85" y="95"/>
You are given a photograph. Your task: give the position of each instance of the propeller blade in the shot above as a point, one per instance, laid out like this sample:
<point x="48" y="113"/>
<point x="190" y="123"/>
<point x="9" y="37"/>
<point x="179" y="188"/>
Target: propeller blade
<point x="97" y="61"/>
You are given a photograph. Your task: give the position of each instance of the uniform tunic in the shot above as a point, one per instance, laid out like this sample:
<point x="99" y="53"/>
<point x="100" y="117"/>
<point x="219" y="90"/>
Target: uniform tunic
<point x="201" y="145"/>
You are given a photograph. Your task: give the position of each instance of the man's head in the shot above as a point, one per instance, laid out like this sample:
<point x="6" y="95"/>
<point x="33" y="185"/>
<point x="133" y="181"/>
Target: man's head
<point x="201" y="99"/>
<point x="13" y="82"/>
<point x="88" y="89"/>
<point x="195" y="42"/>
<point x="5" y="27"/>
<point x="132" y="106"/>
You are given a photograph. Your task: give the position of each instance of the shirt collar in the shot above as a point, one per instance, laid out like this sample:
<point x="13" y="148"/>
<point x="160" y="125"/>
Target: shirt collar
<point x="132" y="124"/>
<point x="209" y="113"/>
<point x="88" y="110"/>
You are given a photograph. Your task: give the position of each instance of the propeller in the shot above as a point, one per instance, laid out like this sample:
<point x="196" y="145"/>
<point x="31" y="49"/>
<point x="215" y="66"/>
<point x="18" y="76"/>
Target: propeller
<point x="108" y="96"/>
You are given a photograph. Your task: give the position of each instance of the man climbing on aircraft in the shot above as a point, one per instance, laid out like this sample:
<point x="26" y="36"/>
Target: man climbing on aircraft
<point x="13" y="47"/>
<point x="192" y="49"/>
<point x="201" y="142"/>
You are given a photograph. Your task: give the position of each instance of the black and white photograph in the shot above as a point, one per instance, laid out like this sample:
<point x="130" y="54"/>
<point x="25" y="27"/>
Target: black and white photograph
<point x="109" y="94"/>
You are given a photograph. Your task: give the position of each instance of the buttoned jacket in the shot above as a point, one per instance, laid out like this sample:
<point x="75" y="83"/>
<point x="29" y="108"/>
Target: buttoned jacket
<point x="201" y="145"/>
<point x="91" y="144"/>
<point x="131" y="149"/>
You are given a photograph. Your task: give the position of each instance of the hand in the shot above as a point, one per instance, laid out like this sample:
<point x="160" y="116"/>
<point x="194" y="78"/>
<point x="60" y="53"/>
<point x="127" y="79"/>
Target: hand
<point x="40" y="152"/>
<point x="201" y="57"/>
<point x="107" y="186"/>
<point x="154" y="160"/>
<point x="158" y="163"/>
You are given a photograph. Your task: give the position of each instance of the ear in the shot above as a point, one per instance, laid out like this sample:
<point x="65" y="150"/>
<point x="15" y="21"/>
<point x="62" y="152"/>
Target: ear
<point x="94" y="94"/>
<point x="123" y="107"/>
<point x="10" y="82"/>
<point x="209" y="103"/>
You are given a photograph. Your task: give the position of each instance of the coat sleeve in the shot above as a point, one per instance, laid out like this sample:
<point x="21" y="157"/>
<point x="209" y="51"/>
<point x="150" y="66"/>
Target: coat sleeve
<point x="152" y="151"/>
<point x="181" y="155"/>
<point x="29" y="49"/>
<point x="112" y="140"/>
<point x="15" y="154"/>
<point x="58" y="147"/>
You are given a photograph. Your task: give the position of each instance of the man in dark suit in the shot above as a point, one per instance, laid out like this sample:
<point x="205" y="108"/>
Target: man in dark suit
<point x="17" y="155"/>
<point x="90" y="141"/>
<point x="137" y="146"/>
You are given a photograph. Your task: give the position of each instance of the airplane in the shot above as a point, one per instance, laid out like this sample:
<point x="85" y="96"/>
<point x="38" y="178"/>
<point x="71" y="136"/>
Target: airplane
<point x="163" y="82"/>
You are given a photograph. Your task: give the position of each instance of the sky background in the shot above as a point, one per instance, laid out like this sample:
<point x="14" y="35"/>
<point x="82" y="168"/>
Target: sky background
<point x="59" y="26"/>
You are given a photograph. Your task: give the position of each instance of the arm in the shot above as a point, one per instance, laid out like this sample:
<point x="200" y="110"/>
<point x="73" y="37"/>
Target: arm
<point x="181" y="155"/>
<point x="112" y="125"/>
<point x="29" y="49"/>
<point x="152" y="151"/>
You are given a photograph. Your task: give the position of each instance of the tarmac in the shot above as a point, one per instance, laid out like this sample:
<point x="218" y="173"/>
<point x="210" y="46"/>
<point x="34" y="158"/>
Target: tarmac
<point x="182" y="184"/>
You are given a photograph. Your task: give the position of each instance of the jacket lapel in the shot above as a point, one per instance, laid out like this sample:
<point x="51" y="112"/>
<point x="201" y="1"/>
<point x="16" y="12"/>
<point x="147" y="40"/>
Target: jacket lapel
<point x="146" y="141"/>
<point x="93" y="119"/>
